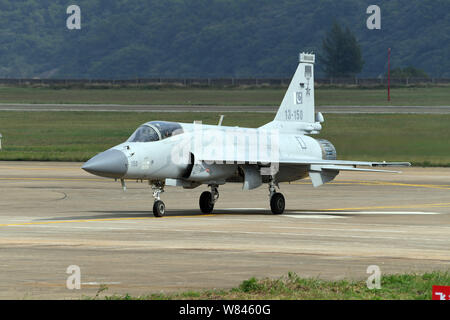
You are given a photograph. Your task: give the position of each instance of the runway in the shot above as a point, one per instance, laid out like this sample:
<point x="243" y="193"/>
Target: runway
<point x="214" y="108"/>
<point x="54" y="215"/>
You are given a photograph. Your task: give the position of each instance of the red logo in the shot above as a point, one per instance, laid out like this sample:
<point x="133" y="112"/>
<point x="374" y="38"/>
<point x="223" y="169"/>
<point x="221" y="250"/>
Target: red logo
<point x="441" y="293"/>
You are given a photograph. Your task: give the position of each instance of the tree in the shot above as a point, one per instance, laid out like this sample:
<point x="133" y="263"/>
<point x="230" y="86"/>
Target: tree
<point x="408" y="72"/>
<point x="341" y="53"/>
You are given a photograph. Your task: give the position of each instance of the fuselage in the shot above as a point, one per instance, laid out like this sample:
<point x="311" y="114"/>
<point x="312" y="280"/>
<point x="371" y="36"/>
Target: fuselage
<point x="196" y="153"/>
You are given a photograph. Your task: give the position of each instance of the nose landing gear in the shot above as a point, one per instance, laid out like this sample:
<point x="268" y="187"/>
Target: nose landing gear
<point x="159" y="208"/>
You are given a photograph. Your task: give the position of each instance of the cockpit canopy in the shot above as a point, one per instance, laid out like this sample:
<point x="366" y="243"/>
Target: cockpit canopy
<point x="155" y="131"/>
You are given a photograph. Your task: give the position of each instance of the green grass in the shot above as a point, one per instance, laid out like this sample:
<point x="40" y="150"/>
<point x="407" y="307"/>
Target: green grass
<point x="414" y="96"/>
<point x="77" y="136"/>
<point x="393" y="287"/>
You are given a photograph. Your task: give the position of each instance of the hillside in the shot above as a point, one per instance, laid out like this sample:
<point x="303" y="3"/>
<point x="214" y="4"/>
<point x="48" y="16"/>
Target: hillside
<point x="212" y="38"/>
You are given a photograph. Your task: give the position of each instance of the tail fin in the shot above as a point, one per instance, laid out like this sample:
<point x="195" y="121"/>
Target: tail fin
<point x="298" y="102"/>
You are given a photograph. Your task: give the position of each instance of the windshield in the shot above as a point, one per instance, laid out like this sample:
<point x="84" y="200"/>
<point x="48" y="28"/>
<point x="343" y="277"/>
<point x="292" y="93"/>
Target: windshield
<point x="167" y="129"/>
<point x="155" y="130"/>
<point x="144" y="134"/>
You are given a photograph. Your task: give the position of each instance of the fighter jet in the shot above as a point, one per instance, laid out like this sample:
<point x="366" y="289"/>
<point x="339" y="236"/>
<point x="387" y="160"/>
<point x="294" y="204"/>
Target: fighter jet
<point x="189" y="155"/>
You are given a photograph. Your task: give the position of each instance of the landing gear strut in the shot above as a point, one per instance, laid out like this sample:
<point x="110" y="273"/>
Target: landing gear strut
<point x="208" y="199"/>
<point x="277" y="202"/>
<point x="159" y="208"/>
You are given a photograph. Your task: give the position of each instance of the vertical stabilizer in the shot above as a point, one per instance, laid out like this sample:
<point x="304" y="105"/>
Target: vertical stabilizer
<point x="298" y="102"/>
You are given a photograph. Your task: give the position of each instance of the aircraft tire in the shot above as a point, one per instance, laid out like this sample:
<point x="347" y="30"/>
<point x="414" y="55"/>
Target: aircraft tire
<point x="206" y="204"/>
<point x="159" y="209"/>
<point x="277" y="203"/>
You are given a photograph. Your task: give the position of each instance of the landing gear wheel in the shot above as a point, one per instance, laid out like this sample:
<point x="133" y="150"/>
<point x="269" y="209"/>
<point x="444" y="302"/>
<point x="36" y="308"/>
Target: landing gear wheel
<point x="277" y="203"/>
<point x="159" y="209"/>
<point x="206" y="202"/>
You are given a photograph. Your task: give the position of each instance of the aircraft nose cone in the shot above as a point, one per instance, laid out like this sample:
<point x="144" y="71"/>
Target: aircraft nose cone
<point x="111" y="164"/>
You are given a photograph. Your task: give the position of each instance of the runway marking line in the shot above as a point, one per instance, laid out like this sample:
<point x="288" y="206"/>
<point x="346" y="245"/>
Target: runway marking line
<point x="382" y="183"/>
<point x="422" y="205"/>
<point x="56" y="179"/>
<point x="95" y="220"/>
<point x="350" y="182"/>
<point x="342" y="182"/>
<point x="40" y="168"/>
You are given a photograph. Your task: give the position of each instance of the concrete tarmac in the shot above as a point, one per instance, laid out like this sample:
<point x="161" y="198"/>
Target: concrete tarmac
<point x="54" y="215"/>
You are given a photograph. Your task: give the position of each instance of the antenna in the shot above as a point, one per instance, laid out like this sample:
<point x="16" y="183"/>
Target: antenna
<point x="221" y="120"/>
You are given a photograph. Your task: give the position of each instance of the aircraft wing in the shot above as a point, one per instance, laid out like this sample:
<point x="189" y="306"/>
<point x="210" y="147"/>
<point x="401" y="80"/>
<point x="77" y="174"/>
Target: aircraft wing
<point x="345" y="163"/>
<point x="347" y="168"/>
<point x="320" y="171"/>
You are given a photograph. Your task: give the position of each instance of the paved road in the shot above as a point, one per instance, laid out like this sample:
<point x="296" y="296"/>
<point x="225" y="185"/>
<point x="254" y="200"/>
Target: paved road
<point x="53" y="215"/>
<point x="202" y="108"/>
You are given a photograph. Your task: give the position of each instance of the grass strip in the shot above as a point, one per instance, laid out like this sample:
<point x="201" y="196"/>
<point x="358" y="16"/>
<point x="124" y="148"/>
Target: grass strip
<point x="294" y="287"/>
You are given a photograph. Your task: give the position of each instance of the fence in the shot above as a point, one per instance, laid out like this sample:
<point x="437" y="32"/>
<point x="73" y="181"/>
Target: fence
<point x="221" y="82"/>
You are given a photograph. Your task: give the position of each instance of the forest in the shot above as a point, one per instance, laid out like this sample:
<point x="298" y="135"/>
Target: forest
<point x="127" y="39"/>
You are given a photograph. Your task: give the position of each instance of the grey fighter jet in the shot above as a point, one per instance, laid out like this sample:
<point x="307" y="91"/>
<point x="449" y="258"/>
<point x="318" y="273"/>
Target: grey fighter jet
<point x="189" y="155"/>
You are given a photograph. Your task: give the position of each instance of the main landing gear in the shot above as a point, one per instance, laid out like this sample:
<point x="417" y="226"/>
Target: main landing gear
<point x="159" y="208"/>
<point x="208" y="199"/>
<point x="277" y="202"/>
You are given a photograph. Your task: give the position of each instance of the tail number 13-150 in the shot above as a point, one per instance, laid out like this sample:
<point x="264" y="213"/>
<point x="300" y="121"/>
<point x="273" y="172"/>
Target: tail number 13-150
<point x="294" y="115"/>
